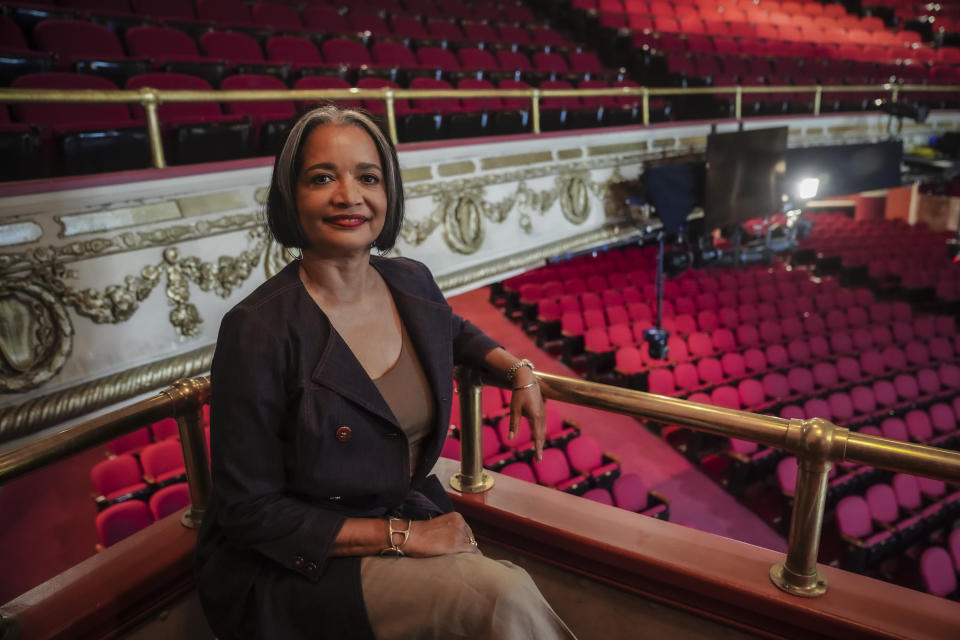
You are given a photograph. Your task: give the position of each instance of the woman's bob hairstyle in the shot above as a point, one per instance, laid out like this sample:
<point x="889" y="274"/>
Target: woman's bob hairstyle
<point x="282" y="215"/>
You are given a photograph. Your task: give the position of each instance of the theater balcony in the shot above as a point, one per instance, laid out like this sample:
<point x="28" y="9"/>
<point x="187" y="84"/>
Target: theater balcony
<point x="607" y="572"/>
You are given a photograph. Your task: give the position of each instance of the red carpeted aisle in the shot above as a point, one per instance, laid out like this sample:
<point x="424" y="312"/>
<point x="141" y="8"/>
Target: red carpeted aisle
<point x="696" y="500"/>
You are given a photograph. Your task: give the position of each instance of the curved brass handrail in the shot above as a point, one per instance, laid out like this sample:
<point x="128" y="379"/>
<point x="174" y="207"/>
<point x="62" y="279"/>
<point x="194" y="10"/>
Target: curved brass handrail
<point x="183" y="400"/>
<point x="150" y="98"/>
<point x="818" y="443"/>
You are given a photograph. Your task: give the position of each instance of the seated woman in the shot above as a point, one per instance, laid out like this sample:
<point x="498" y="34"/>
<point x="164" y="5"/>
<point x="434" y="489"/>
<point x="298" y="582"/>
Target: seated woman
<point x="331" y="396"/>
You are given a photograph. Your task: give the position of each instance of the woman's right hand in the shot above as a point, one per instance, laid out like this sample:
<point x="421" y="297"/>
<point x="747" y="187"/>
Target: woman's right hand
<point x="444" y="534"/>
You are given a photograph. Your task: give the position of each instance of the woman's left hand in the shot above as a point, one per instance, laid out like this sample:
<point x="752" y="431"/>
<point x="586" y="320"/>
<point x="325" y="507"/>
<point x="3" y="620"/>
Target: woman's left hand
<point x="527" y="402"/>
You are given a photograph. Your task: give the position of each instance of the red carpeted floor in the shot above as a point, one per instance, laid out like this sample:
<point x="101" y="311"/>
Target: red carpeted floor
<point x="696" y="500"/>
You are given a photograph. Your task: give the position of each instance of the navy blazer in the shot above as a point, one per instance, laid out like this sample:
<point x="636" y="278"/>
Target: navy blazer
<point x="301" y="439"/>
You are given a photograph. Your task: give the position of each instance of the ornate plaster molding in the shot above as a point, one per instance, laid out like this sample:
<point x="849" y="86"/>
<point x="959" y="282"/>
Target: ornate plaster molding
<point x="36" y="336"/>
<point x="124" y="242"/>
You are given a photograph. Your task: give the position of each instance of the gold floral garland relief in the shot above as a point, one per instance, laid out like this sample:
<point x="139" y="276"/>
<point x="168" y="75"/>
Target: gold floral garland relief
<point x="36" y="335"/>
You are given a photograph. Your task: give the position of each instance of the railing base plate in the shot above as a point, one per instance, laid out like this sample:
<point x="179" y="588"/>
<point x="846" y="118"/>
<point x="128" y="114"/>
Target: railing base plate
<point x="816" y="585"/>
<point x="458" y="483"/>
<point x="191" y="519"/>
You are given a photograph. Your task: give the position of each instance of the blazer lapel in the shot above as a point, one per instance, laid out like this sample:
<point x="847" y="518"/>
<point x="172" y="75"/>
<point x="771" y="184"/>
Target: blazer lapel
<point x="428" y="325"/>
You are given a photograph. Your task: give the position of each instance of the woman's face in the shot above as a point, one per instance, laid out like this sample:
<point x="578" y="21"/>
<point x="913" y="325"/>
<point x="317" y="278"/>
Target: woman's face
<point x="341" y="197"/>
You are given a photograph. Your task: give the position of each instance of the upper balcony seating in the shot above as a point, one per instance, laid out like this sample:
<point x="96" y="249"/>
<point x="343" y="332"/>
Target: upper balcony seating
<point x="88" y="48"/>
<point x="82" y="137"/>
<point x="271" y="120"/>
<point x="276" y="15"/>
<point x="196" y="132"/>
<point x="173" y="51"/>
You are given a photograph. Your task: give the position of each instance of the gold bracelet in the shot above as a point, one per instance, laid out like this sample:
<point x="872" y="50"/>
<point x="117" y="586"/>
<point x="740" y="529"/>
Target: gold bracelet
<point x="526" y="386"/>
<point x="395" y="549"/>
<point x="512" y="371"/>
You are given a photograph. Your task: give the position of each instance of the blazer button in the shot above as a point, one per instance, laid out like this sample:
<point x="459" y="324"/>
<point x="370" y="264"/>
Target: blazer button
<point x="344" y="433"/>
<point x="298" y="562"/>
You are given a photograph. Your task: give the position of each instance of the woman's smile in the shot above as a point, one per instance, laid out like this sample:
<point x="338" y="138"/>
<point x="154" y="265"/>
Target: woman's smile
<point x="347" y="221"/>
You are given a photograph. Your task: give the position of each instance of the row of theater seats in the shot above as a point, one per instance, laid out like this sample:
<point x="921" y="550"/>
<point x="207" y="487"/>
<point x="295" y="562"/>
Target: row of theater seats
<point x="789" y="341"/>
<point x="875" y="253"/>
<point x="283" y="14"/>
<point x="141" y="481"/>
<point x="689" y="18"/>
<point x="47" y="139"/>
<point x="940" y="566"/>
<point x="572" y="462"/>
<point x="74" y="44"/>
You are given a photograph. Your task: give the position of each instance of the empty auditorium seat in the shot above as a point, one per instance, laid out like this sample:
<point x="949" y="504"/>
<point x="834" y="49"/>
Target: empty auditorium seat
<point x="277" y="15"/>
<point x="162" y="463"/>
<point x="937" y="571"/>
<point x="271" y="120"/>
<point x="118" y="521"/>
<point x="164" y="429"/>
<point x="133" y="442"/>
<point x="554" y="471"/>
<point x="242" y="53"/>
<point x="630" y="493"/>
<point x="117" y="479"/>
<point x="587" y="459"/>
<point x="84" y="138"/>
<point x="172" y="50"/>
<point x="199" y="131"/>
<point x="88" y="48"/>
<point x="169" y="499"/>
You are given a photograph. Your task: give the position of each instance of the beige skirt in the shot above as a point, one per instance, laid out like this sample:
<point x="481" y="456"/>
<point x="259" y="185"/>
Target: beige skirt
<point x="464" y="595"/>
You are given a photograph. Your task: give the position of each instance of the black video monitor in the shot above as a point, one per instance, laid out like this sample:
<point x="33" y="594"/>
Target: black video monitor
<point x="846" y="169"/>
<point x="745" y="172"/>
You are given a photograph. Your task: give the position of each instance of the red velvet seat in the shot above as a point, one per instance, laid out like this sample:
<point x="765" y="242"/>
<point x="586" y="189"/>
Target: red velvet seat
<point x="276" y="15"/>
<point x="554" y="471"/>
<point x="196" y="132"/>
<point x="271" y="119"/>
<point x="224" y="12"/>
<point x="121" y="520"/>
<point x="162" y="462"/>
<point x="169" y="500"/>
<point x="117" y="479"/>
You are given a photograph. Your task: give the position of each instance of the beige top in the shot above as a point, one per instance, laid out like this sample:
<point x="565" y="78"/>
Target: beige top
<point x="408" y="394"/>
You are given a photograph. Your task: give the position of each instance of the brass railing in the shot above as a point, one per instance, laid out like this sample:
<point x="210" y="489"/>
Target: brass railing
<point x="183" y="400"/>
<point x="816" y="442"/>
<point x="150" y="98"/>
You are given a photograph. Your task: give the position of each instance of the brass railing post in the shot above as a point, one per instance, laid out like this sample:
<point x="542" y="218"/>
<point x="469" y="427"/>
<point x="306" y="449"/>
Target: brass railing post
<point x="391" y="117"/>
<point x="188" y="398"/>
<point x="738" y="104"/>
<point x="535" y="111"/>
<point x="820" y="440"/>
<point x="150" y="101"/>
<point x="817" y="99"/>
<point x="646" y="107"/>
<point x="472" y="478"/>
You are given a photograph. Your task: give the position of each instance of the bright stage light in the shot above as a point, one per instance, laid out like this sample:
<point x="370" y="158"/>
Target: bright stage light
<point x="807" y="188"/>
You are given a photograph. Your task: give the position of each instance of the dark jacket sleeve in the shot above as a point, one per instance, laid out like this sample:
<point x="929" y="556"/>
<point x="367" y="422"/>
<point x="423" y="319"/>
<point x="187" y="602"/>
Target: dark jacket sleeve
<point x="470" y="344"/>
<point x="248" y="411"/>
